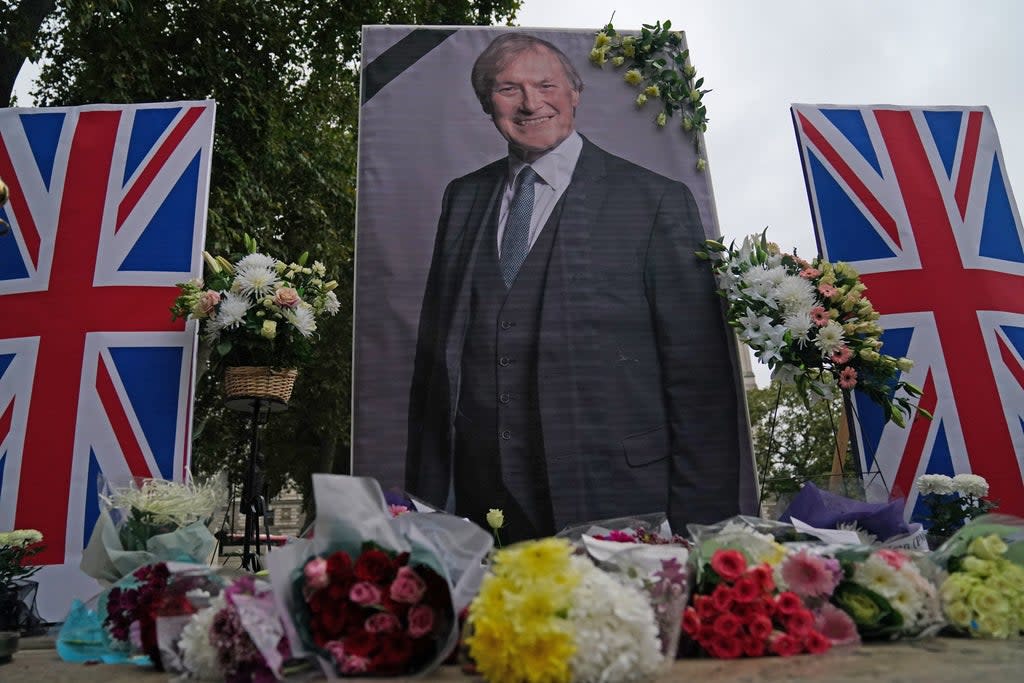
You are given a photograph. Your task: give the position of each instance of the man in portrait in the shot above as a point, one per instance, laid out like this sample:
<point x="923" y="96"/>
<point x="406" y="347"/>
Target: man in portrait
<point x="572" y="362"/>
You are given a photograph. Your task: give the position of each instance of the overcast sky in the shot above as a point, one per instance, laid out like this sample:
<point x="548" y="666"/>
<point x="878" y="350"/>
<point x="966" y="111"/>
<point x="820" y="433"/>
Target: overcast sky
<point x="760" y="57"/>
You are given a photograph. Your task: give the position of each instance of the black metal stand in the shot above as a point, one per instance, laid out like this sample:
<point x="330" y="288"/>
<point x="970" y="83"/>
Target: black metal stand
<point x="253" y="505"/>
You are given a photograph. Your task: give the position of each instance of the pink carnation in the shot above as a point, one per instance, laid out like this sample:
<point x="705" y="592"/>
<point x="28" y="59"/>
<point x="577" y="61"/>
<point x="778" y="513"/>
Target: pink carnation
<point x="397" y="510"/>
<point x="809" y="575"/>
<point x="892" y="558"/>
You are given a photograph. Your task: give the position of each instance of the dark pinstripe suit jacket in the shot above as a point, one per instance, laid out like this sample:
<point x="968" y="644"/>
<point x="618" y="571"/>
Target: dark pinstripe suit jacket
<point x="637" y="388"/>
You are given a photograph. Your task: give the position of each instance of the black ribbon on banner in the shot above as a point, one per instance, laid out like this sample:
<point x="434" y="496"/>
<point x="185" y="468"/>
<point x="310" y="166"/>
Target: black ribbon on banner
<point x="399" y="57"/>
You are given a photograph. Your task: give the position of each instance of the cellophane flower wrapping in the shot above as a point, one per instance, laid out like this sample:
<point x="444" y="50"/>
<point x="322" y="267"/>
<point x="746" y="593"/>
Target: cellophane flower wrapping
<point x="237" y="635"/>
<point x="123" y="623"/>
<point x="983" y="595"/>
<point x="641" y="550"/>
<point x="151" y="520"/>
<point x="545" y="614"/>
<point x="371" y="593"/>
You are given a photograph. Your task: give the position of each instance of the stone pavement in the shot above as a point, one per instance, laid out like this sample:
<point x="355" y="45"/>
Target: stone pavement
<point x="937" y="660"/>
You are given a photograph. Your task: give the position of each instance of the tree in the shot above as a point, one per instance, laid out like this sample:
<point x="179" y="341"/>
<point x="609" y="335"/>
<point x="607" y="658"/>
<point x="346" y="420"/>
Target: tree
<point x="285" y="77"/>
<point x="20" y="22"/>
<point x="799" y="446"/>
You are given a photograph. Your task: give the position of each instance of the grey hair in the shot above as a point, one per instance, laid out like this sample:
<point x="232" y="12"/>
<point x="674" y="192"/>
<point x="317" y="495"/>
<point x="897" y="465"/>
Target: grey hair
<point x="501" y="51"/>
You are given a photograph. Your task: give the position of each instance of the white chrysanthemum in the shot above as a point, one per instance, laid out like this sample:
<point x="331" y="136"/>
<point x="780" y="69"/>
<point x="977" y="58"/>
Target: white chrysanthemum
<point x="799" y="326"/>
<point x="829" y="338"/>
<point x="255" y="281"/>
<point x="776" y="275"/>
<point x="616" y="632"/>
<point x="198" y="655"/>
<point x="232" y="310"/>
<point x="970" y="485"/>
<point x="256" y="261"/>
<point x="302" y="319"/>
<point x="934" y="483"/>
<point x="331" y="303"/>
<point x="795" y="295"/>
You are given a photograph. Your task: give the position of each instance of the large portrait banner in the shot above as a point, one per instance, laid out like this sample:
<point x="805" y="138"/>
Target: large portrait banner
<point x="532" y="329"/>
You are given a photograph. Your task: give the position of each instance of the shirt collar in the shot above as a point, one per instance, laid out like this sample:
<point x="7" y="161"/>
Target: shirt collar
<point x="556" y="166"/>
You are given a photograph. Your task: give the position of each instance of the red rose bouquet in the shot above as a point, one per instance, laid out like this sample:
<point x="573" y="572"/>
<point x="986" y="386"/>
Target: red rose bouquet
<point x="374" y="614"/>
<point x="738" y="612"/>
<point x="371" y="593"/>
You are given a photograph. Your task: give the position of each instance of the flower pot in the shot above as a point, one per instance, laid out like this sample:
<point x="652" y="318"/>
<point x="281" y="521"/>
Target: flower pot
<point x="18" y="608"/>
<point x="259" y="382"/>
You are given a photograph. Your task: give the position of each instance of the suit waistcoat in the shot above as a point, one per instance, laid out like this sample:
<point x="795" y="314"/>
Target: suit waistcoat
<point x="499" y="452"/>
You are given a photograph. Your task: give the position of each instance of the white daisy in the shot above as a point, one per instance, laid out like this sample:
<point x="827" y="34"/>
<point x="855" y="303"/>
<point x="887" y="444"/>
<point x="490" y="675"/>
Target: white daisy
<point x="232" y="310"/>
<point x="829" y="338"/>
<point x="257" y="281"/>
<point x="302" y="319"/>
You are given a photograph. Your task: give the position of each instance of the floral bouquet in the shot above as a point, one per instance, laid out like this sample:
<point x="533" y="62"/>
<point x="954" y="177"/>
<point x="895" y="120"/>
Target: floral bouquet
<point x="131" y="610"/>
<point x="952" y="501"/>
<point x="984" y="593"/>
<point x="372" y="593"/>
<point x="150" y="520"/>
<point x="739" y="611"/>
<point x="16" y="547"/>
<point x="259" y="310"/>
<point x="545" y="614"/>
<point x="235" y="636"/>
<point x="810" y="322"/>
<point x="887" y="594"/>
<point x="374" y="613"/>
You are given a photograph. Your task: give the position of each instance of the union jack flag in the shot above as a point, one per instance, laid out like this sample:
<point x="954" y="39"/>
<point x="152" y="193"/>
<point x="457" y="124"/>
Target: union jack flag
<point x="107" y="212"/>
<point x="918" y="201"/>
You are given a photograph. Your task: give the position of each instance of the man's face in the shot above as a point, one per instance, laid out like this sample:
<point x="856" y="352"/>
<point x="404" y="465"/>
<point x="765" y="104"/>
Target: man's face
<point x="533" y="103"/>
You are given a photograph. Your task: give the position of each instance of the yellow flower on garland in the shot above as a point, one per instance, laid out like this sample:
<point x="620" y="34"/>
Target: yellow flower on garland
<point x="519" y="626"/>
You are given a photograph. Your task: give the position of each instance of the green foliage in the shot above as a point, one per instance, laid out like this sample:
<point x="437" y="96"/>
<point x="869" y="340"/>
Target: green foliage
<point x="802" y="445"/>
<point x="285" y="78"/>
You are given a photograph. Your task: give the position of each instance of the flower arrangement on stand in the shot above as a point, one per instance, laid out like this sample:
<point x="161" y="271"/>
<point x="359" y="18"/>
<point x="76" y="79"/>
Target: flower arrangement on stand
<point x="259" y="311"/>
<point x="952" y="501"/>
<point x="545" y="614"/>
<point x="16" y="547"/>
<point x="17" y="594"/>
<point x="373" y="614"/>
<point x="811" y="323"/>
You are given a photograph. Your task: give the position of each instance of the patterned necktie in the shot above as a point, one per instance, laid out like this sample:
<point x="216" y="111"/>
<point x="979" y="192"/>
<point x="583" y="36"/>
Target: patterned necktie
<point x="515" y="242"/>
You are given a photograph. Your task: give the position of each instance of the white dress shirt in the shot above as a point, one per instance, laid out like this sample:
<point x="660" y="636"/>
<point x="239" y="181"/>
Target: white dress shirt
<point x="555" y="169"/>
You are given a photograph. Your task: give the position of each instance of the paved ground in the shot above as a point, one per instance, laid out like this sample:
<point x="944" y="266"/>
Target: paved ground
<point x="930" y="661"/>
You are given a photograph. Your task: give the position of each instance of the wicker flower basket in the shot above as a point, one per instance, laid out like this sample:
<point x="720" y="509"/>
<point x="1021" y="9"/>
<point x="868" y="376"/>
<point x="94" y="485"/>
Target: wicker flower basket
<point x="259" y="382"/>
